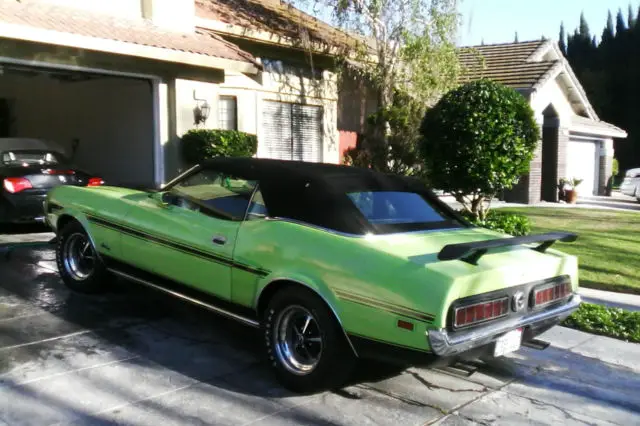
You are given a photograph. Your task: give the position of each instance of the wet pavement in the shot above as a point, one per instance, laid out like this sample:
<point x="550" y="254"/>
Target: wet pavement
<point x="134" y="357"/>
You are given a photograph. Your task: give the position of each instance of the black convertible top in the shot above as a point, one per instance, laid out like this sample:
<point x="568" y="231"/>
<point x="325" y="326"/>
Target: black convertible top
<point x="316" y="193"/>
<point x="329" y="177"/>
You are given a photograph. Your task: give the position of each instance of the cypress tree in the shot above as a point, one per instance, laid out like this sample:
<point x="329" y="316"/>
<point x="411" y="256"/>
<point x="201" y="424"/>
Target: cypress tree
<point x="607" y="34"/>
<point x="561" y="40"/>
<point x="620" y="25"/>
<point x="584" y="27"/>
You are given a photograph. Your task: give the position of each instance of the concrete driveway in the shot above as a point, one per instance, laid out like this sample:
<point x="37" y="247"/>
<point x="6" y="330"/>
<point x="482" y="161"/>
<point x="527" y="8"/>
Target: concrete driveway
<point x="134" y="357"/>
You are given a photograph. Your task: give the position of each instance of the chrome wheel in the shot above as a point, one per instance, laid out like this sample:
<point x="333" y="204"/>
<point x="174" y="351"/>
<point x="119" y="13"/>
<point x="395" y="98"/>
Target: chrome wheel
<point x="298" y="341"/>
<point x="78" y="257"/>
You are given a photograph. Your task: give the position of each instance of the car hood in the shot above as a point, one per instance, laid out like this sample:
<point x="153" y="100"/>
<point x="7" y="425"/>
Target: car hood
<point x="116" y="191"/>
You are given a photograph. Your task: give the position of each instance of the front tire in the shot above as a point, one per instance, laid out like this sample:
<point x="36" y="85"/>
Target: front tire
<point x="305" y="343"/>
<point x="78" y="263"/>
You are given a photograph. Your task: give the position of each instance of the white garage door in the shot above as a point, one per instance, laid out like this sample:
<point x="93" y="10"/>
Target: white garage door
<point x="582" y="163"/>
<point x="292" y="131"/>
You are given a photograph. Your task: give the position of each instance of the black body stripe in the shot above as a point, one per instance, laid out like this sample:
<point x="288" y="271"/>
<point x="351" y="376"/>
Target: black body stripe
<point x="392" y="344"/>
<point x="177" y="246"/>
<point x="400" y="310"/>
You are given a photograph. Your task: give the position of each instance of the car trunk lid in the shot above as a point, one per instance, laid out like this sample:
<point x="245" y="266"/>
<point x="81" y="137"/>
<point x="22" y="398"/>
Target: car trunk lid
<point x="499" y="268"/>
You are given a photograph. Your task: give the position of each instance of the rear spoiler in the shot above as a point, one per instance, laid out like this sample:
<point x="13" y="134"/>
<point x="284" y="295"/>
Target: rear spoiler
<point x="472" y="252"/>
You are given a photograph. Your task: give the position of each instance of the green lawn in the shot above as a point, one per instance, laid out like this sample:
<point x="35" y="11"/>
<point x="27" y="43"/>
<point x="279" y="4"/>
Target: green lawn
<point x="608" y="243"/>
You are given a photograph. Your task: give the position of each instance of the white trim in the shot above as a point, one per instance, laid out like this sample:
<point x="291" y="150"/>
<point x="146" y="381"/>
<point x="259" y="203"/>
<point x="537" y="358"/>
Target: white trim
<point x="537" y="55"/>
<point x="158" y="151"/>
<point x="40" y="64"/>
<point x="39" y="35"/>
<point x="600" y="133"/>
<point x="551" y="74"/>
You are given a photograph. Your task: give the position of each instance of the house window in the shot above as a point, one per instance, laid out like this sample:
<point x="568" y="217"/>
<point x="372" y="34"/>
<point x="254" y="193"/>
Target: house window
<point x="228" y="113"/>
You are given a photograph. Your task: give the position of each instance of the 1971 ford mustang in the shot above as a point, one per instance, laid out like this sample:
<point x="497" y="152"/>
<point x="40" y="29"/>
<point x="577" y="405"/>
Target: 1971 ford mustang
<point x="333" y="263"/>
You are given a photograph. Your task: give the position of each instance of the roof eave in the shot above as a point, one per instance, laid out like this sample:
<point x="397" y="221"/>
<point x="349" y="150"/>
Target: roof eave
<point x="39" y="35"/>
<point x="599" y="131"/>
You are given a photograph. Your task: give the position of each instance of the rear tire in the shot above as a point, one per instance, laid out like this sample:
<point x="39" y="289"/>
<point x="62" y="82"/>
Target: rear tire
<point x="78" y="263"/>
<point x="305" y="344"/>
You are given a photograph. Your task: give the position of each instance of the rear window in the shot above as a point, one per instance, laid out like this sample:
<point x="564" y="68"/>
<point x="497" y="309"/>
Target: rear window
<point x="30" y="158"/>
<point x="393" y="208"/>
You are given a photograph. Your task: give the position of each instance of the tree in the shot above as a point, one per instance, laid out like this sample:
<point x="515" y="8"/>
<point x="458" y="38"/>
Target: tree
<point x="620" y="25"/>
<point x="515" y="40"/>
<point x="607" y="33"/>
<point x="407" y="46"/>
<point x="477" y="141"/>
<point x="631" y="17"/>
<point x="584" y="27"/>
<point x="562" y="40"/>
<point x="401" y="151"/>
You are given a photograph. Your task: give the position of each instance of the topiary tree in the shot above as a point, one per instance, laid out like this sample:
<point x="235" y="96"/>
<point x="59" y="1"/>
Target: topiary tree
<point x="200" y="144"/>
<point x="477" y="141"/>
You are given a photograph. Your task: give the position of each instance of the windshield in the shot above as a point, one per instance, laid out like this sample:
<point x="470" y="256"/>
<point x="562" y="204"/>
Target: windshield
<point x="30" y="158"/>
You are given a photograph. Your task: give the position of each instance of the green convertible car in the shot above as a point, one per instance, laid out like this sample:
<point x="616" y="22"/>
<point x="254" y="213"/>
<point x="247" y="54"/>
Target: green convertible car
<point x="332" y="263"/>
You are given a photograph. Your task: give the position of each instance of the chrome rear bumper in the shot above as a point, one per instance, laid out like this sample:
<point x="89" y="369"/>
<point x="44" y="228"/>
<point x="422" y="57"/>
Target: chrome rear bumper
<point x="445" y="344"/>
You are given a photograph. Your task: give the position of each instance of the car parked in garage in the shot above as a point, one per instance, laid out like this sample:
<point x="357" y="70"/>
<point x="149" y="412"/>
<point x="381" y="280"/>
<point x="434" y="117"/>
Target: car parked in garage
<point x="631" y="183"/>
<point x="29" y="168"/>
<point x="332" y="263"/>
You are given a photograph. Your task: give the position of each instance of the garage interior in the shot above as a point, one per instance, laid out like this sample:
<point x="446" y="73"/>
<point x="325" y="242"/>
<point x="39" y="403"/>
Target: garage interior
<point x="105" y="122"/>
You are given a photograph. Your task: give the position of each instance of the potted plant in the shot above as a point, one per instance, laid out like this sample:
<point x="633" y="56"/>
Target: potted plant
<point x="571" y="193"/>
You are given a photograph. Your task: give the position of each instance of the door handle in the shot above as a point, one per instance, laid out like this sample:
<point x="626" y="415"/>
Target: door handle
<point x="220" y="239"/>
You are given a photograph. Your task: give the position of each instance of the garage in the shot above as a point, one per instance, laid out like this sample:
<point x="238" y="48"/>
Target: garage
<point x="292" y="131"/>
<point x="584" y="164"/>
<point x="104" y="122"/>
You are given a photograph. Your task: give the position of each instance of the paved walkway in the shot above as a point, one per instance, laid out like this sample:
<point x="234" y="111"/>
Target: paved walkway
<point x="630" y="302"/>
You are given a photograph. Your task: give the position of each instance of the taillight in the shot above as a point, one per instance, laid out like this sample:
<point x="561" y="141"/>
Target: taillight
<point x="480" y="312"/>
<point x="16" y="184"/>
<point x="95" y="181"/>
<point x="550" y="293"/>
<point x="58" y="172"/>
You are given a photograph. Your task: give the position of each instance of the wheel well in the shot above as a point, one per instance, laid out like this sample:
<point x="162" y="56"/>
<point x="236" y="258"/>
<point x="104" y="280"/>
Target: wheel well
<point x="64" y="220"/>
<point x="270" y="291"/>
<point x="275" y="286"/>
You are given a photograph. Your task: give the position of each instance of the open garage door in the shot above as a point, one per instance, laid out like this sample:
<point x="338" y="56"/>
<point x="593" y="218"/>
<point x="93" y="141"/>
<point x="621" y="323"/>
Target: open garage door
<point x="105" y="123"/>
<point x="582" y="163"/>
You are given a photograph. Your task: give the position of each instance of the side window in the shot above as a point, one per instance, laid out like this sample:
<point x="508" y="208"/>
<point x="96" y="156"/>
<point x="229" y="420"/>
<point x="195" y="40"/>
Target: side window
<point x="257" y="209"/>
<point x="217" y="194"/>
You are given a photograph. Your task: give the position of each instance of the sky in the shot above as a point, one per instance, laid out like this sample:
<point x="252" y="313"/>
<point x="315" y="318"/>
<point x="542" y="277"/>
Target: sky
<point x="496" y="21"/>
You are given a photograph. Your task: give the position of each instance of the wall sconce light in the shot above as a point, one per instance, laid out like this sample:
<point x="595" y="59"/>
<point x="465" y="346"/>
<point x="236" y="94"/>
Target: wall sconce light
<point x="201" y="111"/>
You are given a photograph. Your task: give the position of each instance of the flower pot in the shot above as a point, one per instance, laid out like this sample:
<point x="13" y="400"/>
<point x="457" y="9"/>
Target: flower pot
<point x="572" y="196"/>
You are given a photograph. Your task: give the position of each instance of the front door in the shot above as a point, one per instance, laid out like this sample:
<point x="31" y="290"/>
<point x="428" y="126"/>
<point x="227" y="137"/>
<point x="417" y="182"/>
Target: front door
<point x="190" y="230"/>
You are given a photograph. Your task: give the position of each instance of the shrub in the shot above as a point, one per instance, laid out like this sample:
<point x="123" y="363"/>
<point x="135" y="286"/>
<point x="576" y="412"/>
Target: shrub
<point x="477" y="141"/>
<point x="201" y="144"/>
<point x="615" y="167"/>
<point x="395" y="151"/>
<point x="612" y="322"/>
<point x="508" y="223"/>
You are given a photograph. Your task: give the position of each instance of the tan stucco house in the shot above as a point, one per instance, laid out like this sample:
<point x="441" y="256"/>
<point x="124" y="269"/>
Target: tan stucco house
<point x="574" y="141"/>
<point x="122" y="80"/>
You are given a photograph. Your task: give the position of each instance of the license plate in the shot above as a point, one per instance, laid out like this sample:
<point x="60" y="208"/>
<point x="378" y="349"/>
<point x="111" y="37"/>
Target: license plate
<point x="510" y="342"/>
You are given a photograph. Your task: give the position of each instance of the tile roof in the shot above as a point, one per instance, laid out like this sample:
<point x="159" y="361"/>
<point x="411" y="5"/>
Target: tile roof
<point x="135" y="31"/>
<point x="274" y="16"/>
<point x="507" y="63"/>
